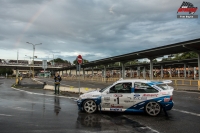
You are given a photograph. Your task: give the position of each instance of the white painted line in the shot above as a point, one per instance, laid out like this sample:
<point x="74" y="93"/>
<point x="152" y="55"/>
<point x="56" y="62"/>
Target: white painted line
<point x="146" y="128"/>
<point x="186" y="112"/>
<point x="4" y="115"/>
<point x="22" y="109"/>
<point x="44" y="94"/>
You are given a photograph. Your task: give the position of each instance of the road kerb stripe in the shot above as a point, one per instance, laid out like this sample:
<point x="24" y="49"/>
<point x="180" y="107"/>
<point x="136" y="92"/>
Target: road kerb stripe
<point x="44" y="94"/>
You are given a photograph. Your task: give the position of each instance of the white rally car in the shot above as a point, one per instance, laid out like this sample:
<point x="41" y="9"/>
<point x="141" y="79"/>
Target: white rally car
<point x="129" y="96"/>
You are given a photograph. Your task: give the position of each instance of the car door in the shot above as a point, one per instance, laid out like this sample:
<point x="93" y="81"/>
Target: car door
<point x="143" y="91"/>
<point x="118" y="98"/>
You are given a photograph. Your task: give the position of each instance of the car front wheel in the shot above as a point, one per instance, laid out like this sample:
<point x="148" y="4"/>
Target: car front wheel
<point x="153" y="108"/>
<point x="90" y="106"/>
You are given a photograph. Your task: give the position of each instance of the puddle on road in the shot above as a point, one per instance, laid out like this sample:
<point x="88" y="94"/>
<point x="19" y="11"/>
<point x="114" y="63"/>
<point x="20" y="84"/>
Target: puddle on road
<point x="102" y="122"/>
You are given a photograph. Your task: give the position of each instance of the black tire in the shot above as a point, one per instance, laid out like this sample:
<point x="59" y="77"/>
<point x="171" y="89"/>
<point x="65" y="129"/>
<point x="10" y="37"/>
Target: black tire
<point x="153" y="108"/>
<point x="89" y="106"/>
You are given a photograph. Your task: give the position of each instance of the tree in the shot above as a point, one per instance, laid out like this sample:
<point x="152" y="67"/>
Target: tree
<point x="186" y="55"/>
<point x="182" y="56"/>
<point x="155" y="60"/>
<point x="59" y="60"/>
<point x="189" y="55"/>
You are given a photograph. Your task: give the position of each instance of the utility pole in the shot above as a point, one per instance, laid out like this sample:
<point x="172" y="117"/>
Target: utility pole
<point x="33" y="53"/>
<point x="17" y="55"/>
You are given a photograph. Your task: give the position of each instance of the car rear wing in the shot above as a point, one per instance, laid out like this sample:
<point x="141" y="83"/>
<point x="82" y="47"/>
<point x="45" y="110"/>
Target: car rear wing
<point x="167" y="81"/>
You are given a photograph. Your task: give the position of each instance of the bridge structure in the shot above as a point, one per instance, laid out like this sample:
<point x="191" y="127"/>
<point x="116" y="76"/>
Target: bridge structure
<point x="27" y="67"/>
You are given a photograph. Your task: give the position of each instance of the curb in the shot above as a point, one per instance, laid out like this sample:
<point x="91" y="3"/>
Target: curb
<point x="69" y="89"/>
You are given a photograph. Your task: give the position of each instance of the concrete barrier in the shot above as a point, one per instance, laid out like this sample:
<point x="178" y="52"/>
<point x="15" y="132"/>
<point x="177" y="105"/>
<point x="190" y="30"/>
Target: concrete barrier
<point x="69" y="89"/>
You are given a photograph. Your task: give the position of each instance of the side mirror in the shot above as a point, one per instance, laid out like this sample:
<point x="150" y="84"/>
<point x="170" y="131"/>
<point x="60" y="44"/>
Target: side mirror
<point x="107" y="92"/>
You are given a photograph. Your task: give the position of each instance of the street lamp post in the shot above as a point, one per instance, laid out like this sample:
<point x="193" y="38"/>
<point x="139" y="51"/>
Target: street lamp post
<point x="33" y="53"/>
<point x="30" y="66"/>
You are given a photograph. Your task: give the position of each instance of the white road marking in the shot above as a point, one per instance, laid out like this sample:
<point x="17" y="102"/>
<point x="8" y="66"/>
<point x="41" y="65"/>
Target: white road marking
<point x="60" y="84"/>
<point x="22" y="109"/>
<point x="146" y="128"/>
<point x="66" y="85"/>
<point x="4" y="115"/>
<point x="44" y="94"/>
<point x="186" y="112"/>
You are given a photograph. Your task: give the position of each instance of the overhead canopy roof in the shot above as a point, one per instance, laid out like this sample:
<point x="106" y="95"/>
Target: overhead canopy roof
<point x="151" y="53"/>
<point x="191" y="45"/>
<point x="166" y="64"/>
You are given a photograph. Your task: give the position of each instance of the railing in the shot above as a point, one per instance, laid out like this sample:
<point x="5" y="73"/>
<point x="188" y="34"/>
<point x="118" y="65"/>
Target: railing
<point x="178" y="84"/>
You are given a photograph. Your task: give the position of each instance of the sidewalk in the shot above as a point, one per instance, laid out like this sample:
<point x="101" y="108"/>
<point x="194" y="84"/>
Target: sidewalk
<point x="33" y="86"/>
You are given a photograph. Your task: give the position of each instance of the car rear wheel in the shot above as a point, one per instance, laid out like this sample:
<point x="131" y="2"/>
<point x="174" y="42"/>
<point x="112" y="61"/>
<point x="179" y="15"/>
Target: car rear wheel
<point x="153" y="108"/>
<point x="90" y="106"/>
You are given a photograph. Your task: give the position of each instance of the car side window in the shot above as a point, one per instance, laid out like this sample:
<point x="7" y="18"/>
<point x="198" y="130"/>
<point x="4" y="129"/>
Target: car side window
<point x="121" y="88"/>
<point x="144" y="88"/>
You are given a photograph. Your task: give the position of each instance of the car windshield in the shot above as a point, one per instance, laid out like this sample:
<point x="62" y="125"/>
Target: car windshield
<point x="163" y="86"/>
<point x="103" y="89"/>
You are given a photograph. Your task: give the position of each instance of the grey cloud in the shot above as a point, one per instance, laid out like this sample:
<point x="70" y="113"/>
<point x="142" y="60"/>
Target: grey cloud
<point x="89" y="26"/>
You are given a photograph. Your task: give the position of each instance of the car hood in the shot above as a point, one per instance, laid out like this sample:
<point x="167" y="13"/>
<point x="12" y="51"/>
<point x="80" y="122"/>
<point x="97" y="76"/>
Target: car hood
<point x="91" y="94"/>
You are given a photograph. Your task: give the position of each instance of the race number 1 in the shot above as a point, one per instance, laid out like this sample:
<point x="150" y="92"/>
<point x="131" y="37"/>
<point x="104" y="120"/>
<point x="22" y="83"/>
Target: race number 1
<point x="117" y="100"/>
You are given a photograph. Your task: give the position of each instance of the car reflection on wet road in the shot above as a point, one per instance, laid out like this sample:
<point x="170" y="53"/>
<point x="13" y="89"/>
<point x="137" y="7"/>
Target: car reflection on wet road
<point x="22" y="111"/>
<point x="114" y="122"/>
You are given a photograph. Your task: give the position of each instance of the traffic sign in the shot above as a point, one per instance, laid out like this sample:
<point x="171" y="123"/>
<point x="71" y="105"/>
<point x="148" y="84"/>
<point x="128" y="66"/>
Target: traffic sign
<point x="79" y="59"/>
<point x="44" y="64"/>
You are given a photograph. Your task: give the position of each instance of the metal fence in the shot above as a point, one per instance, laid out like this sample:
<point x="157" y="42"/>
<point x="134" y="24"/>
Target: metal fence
<point x="178" y="84"/>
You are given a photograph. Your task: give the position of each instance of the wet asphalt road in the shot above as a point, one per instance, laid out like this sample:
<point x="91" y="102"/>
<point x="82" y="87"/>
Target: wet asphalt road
<point x="25" y="112"/>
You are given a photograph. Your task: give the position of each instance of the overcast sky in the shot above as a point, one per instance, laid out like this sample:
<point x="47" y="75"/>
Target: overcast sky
<point x="95" y="29"/>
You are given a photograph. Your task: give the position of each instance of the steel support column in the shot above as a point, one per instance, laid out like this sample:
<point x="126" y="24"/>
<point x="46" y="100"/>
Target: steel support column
<point x="184" y="70"/>
<point x="123" y="70"/>
<point x="138" y="72"/>
<point x="198" y="64"/>
<point x="144" y="73"/>
<point x="104" y="71"/>
<point x="161" y="72"/>
<point x="151" y="69"/>
<point x="179" y="72"/>
<point x="194" y="73"/>
<point x="83" y="73"/>
<point x="170" y="72"/>
<point x="131" y="72"/>
<point x="188" y="71"/>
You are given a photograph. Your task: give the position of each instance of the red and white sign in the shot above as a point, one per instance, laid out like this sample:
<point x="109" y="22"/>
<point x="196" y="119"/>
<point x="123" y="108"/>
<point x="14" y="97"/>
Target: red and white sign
<point x="115" y="106"/>
<point x="150" y="95"/>
<point x="79" y="59"/>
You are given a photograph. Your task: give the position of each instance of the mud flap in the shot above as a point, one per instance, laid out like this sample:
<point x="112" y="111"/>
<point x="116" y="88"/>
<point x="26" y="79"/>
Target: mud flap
<point x="99" y="107"/>
<point x="166" y="114"/>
